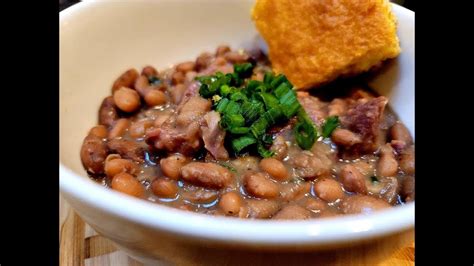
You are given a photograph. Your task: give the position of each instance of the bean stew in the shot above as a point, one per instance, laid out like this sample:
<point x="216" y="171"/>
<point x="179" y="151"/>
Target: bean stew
<point x="223" y="135"/>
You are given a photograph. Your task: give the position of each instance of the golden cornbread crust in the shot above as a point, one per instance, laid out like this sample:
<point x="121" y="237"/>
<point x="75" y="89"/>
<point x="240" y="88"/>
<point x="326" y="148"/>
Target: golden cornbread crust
<point x="315" y="41"/>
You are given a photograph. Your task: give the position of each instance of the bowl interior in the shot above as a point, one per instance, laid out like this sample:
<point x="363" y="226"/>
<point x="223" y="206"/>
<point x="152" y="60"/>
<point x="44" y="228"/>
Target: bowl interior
<point x="100" y="40"/>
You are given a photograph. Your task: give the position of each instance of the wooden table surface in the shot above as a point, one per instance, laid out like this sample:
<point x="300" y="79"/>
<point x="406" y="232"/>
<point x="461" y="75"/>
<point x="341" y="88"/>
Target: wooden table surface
<point x="80" y="245"/>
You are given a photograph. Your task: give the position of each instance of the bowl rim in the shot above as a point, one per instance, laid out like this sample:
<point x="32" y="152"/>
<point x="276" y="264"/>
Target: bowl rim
<point x="347" y="228"/>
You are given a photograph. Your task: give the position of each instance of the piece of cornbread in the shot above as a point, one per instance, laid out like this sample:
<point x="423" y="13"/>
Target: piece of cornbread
<point x="315" y="41"/>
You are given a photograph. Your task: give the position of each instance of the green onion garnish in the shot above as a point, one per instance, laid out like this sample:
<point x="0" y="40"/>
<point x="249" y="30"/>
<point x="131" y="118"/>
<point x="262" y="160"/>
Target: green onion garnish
<point x="332" y="122"/>
<point x="249" y="108"/>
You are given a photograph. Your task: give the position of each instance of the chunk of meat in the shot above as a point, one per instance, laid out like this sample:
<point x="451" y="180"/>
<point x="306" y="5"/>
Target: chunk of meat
<point x="364" y="120"/>
<point x="313" y="107"/>
<point x="279" y="147"/>
<point x="337" y="107"/>
<point x="127" y="149"/>
<point x="309" y="166"/>
<point x="181" y="133"/>
<point x="192" y="110"/>
<point x="93" y="154"/>
<point x="260" y="185"/>
<point x="107" y="112"/>
<point x="345" y="137"/>
<point x="209" y="175"/>
<point x="390" y="189"/>
<point x="292" y="212"/>
<point x="362" y="204"/>
<point x="387" y="164"/>
<point x="213" y="136"/>
<point x="352" y="179"/>
<point x="262" y="208"/>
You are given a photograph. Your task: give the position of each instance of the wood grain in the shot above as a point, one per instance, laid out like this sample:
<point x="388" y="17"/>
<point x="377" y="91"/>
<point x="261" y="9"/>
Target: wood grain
<point x="80" y="245"/>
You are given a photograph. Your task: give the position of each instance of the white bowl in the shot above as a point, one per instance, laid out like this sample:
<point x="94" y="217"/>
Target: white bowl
<point x="99" y="40"/>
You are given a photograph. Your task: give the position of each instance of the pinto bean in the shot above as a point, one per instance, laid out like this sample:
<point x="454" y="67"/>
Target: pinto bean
<point x="328" y="189"/>
<point x="171" y="166"/>
<point x="407" y="160"/>
<point x="292" y="212"/>
<point x="164" y="188"/>
<point x="200" y="196"/>
<point x="127" y="99"/>
<point x="116" y="166"/>
<point x="203" y="61"/>
<point x="127" y="79"/>
<point x="222" y="49"/>
<point x="209" y="175"/>
<point x="138" y="128"/>
<point x="275" y="168"/>
<point x="126" y="183"/>
<point x="352" y="179"/>
<point x="314" y="205"/>
<point x="127" y="149"/>
<point x="177" y="78"/>
<point x="387" y="164"/>
<point x="345" y="137"/>
<point x="362" y="204"/>
<point x="399" y="132"/>
<point x="294" y="191"/>
<point x="93" y="154"/>
<point x="260" y="185"/>
<point x="230" y="203"/>
<point x="119" y="128"/>
<point x="142" y="85"/>
<point x="309" y="166"/>
<point x="155" y="97"/>
<point x="235" y="57"/>
<point x="107" y="112"/>
<point x="185" y="66"/>
<point x="149" y="71"/>
<point x="99" y="131"/>
<point x="262" y="208"/>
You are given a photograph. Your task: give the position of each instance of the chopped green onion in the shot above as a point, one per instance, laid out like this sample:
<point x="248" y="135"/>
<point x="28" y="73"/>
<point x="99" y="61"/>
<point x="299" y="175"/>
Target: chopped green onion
<point x="278" y="80"/>
<point x="222" y="105"/>
<point x="229" y="121"/>
<point x="232" y="108"/>
<point x="251" y="110"/>
<point x="239" y="130"/>
<point x="270" y="101"/>
<point x="305" y="132"/>
<point x="238" y="96"/>
<point x="290" y="104"/>
<point x="267" y="139"/>
<point x="332" y="122"/>
<point x="273" y="115"/>
<point x="242" y="142"/>
<point x="243" y="70"/>
<point x="252" y="85"/>
<point x="259" y="127"/>
<point x="264" y="152"/>
<point x="267" y="78"/>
